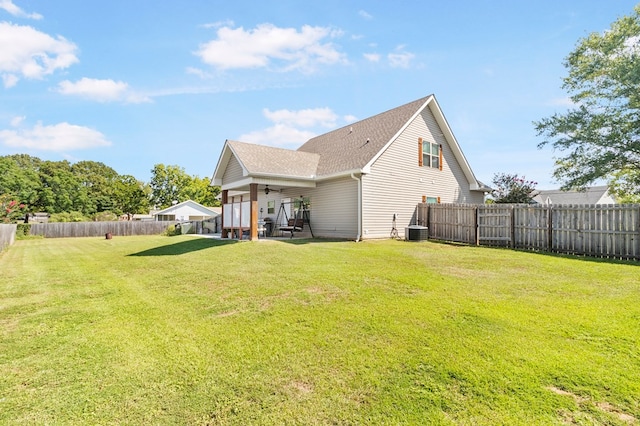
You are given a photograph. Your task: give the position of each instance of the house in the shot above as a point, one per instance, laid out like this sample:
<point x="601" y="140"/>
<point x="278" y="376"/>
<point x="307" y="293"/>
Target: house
<point x="37" y="217"/>
<point x="187" y="211"/>
<point x="357" y="182"/>
<point x="593" y="195"/>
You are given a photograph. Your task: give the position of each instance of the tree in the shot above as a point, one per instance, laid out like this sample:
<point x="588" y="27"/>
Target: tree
<point x="10" y="209"/>
<point x="61" y="191"/>
<point x="98" y="181"/>
<point x="130" y="196"/>
<point x="172" y="183"/>
<point x="600" y="136"/>
<point x="201" y="191"/>
<point x="168" y="184"/>
<point x="624" y="186"/>
<point x="512" y="189"/>
<point x="19" y="177"/>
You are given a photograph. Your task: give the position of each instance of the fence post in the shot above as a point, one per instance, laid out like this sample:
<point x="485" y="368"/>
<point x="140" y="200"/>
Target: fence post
<point x="550" y="226"/>
<point x="427" y="218"/>
<point x="476" y="226"/>
<point x="512" y="225"/>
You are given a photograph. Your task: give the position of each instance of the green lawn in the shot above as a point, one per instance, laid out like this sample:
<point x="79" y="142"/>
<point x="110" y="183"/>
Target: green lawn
<point x="184" y="330"/>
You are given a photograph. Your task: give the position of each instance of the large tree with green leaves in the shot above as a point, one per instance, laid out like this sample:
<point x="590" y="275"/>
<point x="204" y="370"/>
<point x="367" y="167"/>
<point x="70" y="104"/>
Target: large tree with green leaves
<point x="172" y="184"/>
<point x="19" y="177"/>
<point x="98" y="181"/>
<point x="168" y="184"/>
<point x="61" y="190"/>
<point x="599" y="138"/>
<point x="130" y="196"/>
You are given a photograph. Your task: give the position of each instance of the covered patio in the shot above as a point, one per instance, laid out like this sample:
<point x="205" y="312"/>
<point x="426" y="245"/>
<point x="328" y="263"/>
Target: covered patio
<point x="243" y="212"/>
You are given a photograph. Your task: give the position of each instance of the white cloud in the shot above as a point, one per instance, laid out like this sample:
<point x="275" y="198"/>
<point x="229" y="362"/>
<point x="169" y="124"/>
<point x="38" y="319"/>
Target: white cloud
<point x="218" y="24"/>
<point x="278" y="135"/>
<point x="14" y="10"/>
<point x="9" y="80"/>
<point x="350" y="118"/>
<point x="401" y="58"/>
<point x="372" y="57"/>
<point x="28" y="53"/>
<point x="16" y="121"/>
<point x="101" y="90"/>
<point x="199" y="72"/>
<point x="59" y="137"/>
<point x="365" y="15"/>
<point x="288" y="128"/>
<point x="268" y="46"/>
<point x="303" y="118"/>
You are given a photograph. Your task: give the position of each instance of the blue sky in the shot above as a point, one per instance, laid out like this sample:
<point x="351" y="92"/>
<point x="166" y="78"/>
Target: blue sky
<point x="136" y="83"/>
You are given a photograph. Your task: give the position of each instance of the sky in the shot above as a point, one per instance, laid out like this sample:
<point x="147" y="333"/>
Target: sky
<point x="137" y="83"/>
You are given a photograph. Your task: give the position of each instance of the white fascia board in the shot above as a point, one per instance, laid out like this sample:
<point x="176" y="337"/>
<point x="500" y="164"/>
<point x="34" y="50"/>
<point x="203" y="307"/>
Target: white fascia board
<point x="237" y="184"/>
<point x="285" y="182"/>
<point x="223" y="162"/>
<point x="244" y="183"/>
<point x="279" y="176"/>
<point x="347" y="173"/>
<point x="453" y="144"/>
<point x="477" y="187"/>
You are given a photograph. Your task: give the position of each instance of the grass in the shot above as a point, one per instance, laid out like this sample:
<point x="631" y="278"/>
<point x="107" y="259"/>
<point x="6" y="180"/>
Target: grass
<point x="181" y="330"/>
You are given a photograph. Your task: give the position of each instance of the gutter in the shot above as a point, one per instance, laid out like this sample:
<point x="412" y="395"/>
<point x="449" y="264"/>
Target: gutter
<point x="359" y="180"/>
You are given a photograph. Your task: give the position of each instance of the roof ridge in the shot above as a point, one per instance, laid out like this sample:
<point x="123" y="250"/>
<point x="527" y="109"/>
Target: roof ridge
<point x="353" y="146"/>
<point x="372" y="117"/>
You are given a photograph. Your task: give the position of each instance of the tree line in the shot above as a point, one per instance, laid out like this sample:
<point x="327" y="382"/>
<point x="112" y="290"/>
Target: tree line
<point x="90" y="190"/>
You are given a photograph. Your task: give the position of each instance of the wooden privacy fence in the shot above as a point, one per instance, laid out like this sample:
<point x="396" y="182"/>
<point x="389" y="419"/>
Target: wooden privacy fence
<point x="96" y="229"/>
<point x="7" y="235"/>
<point x="593" y="230"/>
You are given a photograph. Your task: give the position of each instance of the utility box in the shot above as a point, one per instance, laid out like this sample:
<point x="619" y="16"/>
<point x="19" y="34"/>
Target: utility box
<point x="416" y="233"/>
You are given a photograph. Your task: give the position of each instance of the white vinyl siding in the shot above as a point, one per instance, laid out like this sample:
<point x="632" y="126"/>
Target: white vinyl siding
<point x="185" y="211"/>
<point x="397" y="183"/>
<point x="233" y="172"/>
<point x="334" y="207"/>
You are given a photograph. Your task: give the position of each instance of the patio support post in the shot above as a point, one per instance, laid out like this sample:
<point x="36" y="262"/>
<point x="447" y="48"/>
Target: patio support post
<point x="225" y="200"/>
<point x="253" y="196"/>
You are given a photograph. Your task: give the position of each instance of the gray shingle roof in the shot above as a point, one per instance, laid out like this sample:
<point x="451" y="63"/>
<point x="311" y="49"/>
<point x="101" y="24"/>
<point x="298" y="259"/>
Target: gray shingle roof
<point x="591" y="195"/>
<point x="347" y="148"/>
<point x="268" y="160"/>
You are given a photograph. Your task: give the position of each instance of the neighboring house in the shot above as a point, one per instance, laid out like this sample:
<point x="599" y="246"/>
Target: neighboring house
<point x="141" y="217"/>
<point x="187" y="210"/>
<point x="593" y="195"/>
<point x="356" y="179"/>
<point x="38" y="217"/>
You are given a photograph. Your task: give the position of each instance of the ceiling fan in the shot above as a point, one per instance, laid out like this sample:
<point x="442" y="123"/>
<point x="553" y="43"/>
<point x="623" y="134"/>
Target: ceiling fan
<point x="267" y="190"/>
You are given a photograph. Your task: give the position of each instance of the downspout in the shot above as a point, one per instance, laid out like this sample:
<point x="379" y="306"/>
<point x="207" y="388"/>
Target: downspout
<point x="359" y="180"/>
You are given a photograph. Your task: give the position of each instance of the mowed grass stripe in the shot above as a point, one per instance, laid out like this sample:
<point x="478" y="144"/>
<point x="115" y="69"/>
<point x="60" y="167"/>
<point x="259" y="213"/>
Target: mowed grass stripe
<point x="160" y="330"/>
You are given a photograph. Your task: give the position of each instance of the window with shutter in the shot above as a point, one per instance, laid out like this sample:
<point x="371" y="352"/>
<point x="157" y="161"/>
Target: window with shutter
<point x="431" y="155"/>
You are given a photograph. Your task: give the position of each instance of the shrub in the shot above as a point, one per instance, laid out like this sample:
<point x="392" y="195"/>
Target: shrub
<point x="23" y="230"/>
<point x="105" y="216"/>
<point x="69" y="217"/>
<point x="171" y="231"/>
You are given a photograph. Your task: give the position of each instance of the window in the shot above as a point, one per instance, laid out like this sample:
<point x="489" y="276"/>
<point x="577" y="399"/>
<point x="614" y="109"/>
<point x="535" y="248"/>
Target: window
<point x="271" y="207"/>
<point x="431" y="155"/>
<point x="433" y="200"/>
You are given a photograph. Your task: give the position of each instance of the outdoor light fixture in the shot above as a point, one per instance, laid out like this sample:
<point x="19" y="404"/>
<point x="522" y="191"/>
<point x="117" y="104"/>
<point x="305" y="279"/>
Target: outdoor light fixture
<point x="266" y="189"/>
